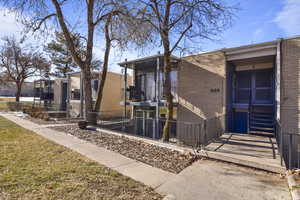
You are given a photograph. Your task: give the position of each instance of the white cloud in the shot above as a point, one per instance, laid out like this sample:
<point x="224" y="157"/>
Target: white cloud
<point x="9" y="25"/>
<point x="288" y="18"/>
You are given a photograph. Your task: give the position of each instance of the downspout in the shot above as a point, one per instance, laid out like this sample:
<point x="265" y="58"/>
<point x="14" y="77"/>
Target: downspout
<point x="277" y="98"/>
<point x="278" y="78"/>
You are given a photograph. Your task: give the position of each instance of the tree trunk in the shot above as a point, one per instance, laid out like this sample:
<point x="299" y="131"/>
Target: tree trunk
<point x="88" y="104"/>
<point x="168" y="94"/>
<point x="18" y="93"/>
<point x="102" y="76"/>
<point x="167" y="70"/>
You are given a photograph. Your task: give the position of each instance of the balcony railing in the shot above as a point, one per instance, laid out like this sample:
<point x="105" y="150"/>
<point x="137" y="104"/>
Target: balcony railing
<point x="194" y="134"/>
<point x="136" y="94"/>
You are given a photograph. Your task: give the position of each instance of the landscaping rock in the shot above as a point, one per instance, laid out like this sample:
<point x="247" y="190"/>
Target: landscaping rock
<point x="166" y="159"/>
<point x="52" y="121"/>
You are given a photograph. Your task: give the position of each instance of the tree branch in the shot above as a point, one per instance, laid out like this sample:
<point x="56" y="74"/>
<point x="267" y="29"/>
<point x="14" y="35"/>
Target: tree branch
<point x="66" y="33"/>
<point x="181" y="36"/>
<point x="42" y="21"/>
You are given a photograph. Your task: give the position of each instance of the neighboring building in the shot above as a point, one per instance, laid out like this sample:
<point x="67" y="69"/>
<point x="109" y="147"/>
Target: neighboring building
<point x="43" y="92"/>
<point x="9" y="89"/>
<point x="254" y="87"/>
<point x="112" y="95"/>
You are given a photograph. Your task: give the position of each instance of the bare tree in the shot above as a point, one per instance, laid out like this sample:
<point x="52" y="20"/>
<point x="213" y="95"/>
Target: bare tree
<point x="90" y="14"/>
<point x="42" y="13"/>
<point x="102" y="75"/>
<point x="178" y="22"/>
<point x="121" y="29"/>
<point x="18" y="63"/>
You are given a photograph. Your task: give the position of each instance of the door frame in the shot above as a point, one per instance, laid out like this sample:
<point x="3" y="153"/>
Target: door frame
<point x="62" y="96"/>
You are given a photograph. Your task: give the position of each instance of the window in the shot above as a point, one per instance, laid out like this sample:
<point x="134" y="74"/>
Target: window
<point x="95" y="84"/>
<point x="75" y="94"/>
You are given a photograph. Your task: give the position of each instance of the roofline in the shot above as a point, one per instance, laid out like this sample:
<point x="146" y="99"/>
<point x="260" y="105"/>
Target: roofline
<point x="94" y="72"/>
<point x="43" y="79"/>
<point x="272" y="42"/>
<point x="268" y="43"/>
<point x="78" y="72"/>
<point x="145" y="58"/>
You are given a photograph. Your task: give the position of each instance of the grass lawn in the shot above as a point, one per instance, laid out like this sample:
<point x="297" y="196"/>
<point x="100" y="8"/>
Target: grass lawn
<point x="7" y="98"/>
<point x="12" y="106"/>
<point x="32" y="167"/>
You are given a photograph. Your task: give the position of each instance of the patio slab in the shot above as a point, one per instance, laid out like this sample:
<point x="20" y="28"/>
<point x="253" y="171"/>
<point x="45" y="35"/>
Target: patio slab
<point x="255" y="151"/>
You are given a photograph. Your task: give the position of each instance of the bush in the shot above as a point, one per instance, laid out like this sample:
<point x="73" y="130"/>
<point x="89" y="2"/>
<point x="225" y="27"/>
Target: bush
<point x="37" y="112"/>
<point x="14" y="106"/>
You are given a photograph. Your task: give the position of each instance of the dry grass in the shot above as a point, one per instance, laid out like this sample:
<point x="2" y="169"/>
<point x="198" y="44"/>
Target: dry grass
<point x="7" y="98"/>
<point x="13" y="106"/>
<point x="32" y="167"/>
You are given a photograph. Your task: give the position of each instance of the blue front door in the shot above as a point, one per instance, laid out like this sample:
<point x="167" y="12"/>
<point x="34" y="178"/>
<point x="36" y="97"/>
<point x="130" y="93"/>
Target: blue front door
<point x="253" y="94"/>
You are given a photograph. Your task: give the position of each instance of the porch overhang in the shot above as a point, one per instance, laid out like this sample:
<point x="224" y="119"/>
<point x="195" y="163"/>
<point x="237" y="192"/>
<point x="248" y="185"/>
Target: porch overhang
<point x="251" y="51"/>
<point x="149" y="59"/>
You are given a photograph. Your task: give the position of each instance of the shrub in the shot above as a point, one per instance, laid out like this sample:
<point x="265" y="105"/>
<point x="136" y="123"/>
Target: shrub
<point x="37" y="112"/>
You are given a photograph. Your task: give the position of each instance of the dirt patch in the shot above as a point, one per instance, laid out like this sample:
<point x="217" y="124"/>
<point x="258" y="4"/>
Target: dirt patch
<point x="155" y="156"/>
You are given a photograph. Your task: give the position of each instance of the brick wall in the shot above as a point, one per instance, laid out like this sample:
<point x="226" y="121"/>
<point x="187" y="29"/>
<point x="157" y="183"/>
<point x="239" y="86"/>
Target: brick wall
<point x="290" y="85"/>
<point x="201" y="86"/>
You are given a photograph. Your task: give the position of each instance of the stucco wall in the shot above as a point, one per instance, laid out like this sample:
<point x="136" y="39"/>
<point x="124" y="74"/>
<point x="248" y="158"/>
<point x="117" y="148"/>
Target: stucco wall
<point x="57" y="91"/>
<point x="112" y="94"/>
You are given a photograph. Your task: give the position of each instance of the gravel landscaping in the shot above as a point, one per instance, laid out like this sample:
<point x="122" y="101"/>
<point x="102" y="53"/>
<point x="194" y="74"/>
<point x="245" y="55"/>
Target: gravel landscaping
<point x="44" y="122"/>
<point x="155" y="156"/>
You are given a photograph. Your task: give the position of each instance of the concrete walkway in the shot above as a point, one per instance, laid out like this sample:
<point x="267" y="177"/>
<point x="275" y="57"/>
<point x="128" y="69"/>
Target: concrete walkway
<point x="202" y="180"/>
<point x="212" y="180"/>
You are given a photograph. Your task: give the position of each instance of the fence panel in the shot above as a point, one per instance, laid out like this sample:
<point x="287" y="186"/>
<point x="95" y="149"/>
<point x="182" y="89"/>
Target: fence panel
<point x="185" y="133"/>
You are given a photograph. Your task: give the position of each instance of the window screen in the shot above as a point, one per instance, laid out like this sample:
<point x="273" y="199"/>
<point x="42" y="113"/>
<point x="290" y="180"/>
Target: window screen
<point x="243" y="87"/>
<point x="263" y="95"/>
<point x="243" y="79"/>
<point x="263" y="78"/>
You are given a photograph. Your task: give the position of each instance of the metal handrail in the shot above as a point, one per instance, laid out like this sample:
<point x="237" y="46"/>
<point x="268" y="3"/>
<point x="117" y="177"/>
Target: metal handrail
<point x="287" y="147"/>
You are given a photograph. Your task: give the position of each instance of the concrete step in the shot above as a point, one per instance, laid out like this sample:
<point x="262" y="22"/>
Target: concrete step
<point x="243" y="161"/>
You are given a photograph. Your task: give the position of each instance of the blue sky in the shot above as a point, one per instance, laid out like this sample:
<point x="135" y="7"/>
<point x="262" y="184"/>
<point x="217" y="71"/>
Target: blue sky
<point x="256" y="21"/>
<point x="259" y="21"/>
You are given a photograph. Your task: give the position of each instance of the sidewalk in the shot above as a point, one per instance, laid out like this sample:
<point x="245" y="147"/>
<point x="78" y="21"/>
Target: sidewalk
<point x="202" y="180"/>
<point x="212" y="180"/>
